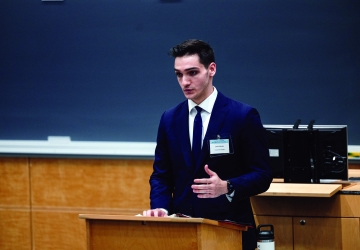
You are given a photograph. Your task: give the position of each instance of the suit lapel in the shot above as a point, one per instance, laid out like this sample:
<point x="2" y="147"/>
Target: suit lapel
<point x="218" y="115"/>
<point x="182" y="128"/>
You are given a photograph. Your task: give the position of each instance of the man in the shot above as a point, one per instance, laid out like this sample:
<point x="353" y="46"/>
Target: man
<point x="233" y="162"/>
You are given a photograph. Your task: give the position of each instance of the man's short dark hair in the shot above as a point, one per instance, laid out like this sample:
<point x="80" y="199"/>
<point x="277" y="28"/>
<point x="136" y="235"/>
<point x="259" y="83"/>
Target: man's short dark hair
<point x="192" y="47"/>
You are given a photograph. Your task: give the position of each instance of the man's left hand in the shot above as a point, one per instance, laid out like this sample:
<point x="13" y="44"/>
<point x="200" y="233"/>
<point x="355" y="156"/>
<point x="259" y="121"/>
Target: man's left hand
<point x="211" y="187"/>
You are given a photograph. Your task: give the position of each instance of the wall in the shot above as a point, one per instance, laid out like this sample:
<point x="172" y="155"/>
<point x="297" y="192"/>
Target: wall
<point x="96" y="70"/>
<point x="40" y="199"/>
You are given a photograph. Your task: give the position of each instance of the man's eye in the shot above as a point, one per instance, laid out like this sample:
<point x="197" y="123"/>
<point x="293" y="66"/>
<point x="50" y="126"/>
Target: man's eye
<point x="178" y="74"/>
<point x="192" y="73"/>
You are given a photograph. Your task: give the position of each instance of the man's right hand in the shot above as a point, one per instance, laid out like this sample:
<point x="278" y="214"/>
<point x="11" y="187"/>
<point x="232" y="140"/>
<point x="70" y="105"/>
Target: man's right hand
<point x="158" y="212"/>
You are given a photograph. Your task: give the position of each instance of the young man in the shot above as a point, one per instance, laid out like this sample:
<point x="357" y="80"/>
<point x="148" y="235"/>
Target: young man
<point x="233" y="159"/>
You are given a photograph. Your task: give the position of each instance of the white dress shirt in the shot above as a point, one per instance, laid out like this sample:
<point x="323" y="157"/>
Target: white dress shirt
<point x="207" y="106"/>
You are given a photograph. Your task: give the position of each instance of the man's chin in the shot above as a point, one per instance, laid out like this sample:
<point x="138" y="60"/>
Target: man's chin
<point x="189" y="96"/>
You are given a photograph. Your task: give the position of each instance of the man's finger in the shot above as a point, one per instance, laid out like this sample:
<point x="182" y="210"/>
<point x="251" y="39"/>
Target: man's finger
<point x="208" y="171"/>
<point x="200" y="187"/>
<point x="202" y="181"/>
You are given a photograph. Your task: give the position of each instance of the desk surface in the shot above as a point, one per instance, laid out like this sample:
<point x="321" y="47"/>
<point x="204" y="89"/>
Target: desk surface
<point x="353" y="189"/>
<point x="302" y="190"/>
<point x="278" y="188"/>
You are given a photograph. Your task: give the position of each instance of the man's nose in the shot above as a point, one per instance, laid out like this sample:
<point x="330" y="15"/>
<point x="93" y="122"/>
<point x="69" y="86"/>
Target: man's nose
<point x="185" y="80"/>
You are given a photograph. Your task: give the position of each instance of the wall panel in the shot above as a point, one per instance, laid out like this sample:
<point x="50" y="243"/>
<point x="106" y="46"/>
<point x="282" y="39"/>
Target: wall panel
<point x="15" y="227"/>
<point x="64" y="188"/>
<point x="15" y="231"/>
<point x="86" y="184"/>
<point x="53" y="230"/>
<point x="40" y="199"/>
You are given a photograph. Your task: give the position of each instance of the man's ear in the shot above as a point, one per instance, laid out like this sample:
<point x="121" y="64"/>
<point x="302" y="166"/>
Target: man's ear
<point x="212" y="69"/>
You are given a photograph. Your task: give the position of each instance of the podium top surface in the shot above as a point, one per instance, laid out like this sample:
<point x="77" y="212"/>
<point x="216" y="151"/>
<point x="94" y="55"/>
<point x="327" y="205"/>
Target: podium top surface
<point x="302" y="190"/>
<point x="224" y="224"/>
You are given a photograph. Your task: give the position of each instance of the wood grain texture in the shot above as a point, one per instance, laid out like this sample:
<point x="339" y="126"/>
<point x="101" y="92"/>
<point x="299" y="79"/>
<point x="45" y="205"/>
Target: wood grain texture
<point x="326" y="233"/>
<point x="15" y="223"/>
<point x="302" y="190"/>
<point x="14" y="183"/>
<point x="85" y="183"/>
<point x="63" y="188"/>
<point x="58" y="230"/>
<point x="120" y="234"/>
<point x="214" y="238"/>
<point x="15" y="231"/>
<point x="354" y="173"/>
<point x="336" y="206"/>
<point x="167" y="219"/>
<point x="54" y="191"/>
<point x="133" y="235"/>
<point x="330" y="223"/>
<point x="354" y="165"/>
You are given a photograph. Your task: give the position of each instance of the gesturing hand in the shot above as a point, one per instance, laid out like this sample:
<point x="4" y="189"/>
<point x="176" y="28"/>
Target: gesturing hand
<point x="211" y="187"/>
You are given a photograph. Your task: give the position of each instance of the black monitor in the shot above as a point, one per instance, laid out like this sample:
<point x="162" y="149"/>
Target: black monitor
<point x="275" y="138"/>
<point x="303" y="155"/>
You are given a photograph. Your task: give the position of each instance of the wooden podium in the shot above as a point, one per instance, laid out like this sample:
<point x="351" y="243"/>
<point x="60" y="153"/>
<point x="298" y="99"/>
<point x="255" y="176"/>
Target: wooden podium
<point x="138" y="232"/>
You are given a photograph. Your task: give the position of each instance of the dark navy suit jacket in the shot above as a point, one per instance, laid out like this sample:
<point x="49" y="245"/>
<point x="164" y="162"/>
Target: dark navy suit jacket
<point x="247" y="165"/>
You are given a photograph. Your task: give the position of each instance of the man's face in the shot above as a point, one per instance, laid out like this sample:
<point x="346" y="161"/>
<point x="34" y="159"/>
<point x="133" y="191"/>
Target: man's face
<point x="195" y="80"/>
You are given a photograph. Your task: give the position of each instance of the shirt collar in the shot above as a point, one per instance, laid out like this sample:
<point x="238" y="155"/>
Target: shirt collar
<point x="207" y="104"/>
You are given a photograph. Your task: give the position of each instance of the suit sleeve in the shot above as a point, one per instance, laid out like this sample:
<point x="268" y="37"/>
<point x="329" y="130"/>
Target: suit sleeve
<point x="161" y="182"/>
<point x="257" y="175"/>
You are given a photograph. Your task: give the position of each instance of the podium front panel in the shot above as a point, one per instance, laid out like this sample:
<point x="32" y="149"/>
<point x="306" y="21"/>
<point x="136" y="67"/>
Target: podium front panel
<point x="123" y="234"/>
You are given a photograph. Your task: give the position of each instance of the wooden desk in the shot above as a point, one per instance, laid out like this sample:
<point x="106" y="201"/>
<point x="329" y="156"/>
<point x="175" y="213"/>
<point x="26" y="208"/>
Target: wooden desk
<point x="304" y="218"/>
<point x="138" y="232"/>
<point x="301" y="190"/>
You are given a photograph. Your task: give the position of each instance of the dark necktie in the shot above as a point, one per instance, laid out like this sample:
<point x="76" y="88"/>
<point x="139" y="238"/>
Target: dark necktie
<point x="197" y="135"/>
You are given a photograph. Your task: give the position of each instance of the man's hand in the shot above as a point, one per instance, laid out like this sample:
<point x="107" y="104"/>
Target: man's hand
<point x="155" y="212"/>
<point x="209" y="187"/>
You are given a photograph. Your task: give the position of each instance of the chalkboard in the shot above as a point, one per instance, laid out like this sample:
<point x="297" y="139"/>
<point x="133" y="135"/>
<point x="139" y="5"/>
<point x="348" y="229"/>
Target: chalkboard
<point x="98" y="70"/>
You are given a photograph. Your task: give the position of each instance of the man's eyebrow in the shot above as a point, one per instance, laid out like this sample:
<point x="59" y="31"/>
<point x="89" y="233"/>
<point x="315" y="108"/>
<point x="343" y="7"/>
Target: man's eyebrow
<point x="188" y="69"/>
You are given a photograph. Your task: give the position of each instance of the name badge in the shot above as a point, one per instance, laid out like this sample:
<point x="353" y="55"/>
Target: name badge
<point x="219" y="146"/>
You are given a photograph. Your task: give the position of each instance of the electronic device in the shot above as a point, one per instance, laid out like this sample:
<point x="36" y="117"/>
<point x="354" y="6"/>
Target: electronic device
<point x="308" y="154"/>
